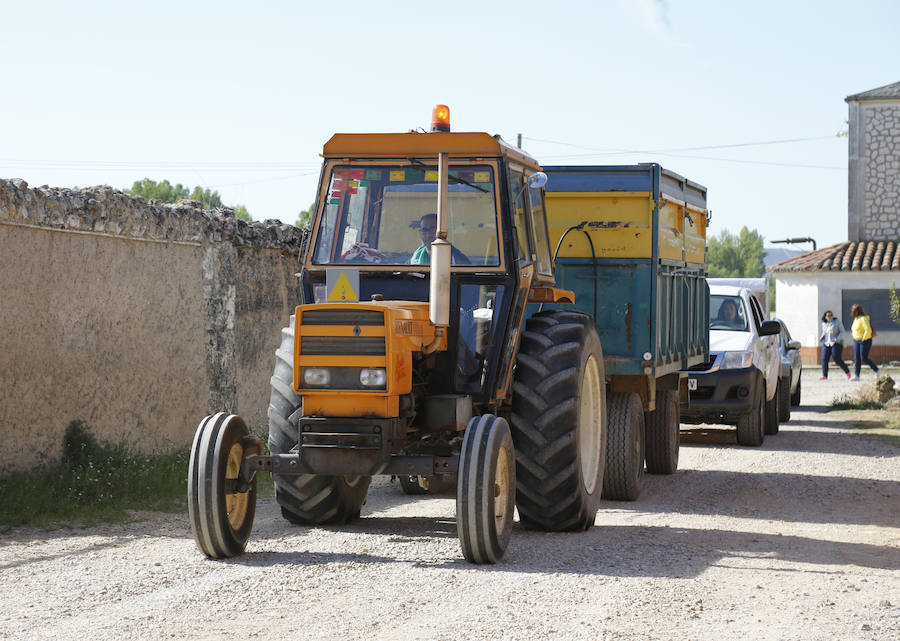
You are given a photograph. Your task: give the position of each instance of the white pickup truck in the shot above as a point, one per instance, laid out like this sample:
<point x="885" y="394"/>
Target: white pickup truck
<point x="739" y="384"/>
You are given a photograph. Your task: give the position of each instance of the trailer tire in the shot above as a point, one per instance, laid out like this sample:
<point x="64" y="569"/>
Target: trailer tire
<point x="662" y="428"/>
<point x="305" y="499"/>
<point x="784" y="399"/>
<point x="625" y="449"/>
<point x="486" y="488"/>
<point x="558" y="422"/>
<point x="771" y="425"/>
<point x="221" y="518"/>
<point x="750" y="426"/>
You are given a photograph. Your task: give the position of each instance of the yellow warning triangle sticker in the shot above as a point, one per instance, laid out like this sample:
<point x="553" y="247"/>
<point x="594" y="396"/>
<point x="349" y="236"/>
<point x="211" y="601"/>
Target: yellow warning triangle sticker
<point x="343" y="290"/>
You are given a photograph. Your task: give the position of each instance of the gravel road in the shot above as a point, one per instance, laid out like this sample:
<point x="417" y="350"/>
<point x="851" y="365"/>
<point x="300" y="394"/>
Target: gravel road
<point x="798" y="539"/>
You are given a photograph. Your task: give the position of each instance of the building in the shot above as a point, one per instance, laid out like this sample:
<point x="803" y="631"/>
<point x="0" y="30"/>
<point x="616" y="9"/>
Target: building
<point x="864" y="268"/>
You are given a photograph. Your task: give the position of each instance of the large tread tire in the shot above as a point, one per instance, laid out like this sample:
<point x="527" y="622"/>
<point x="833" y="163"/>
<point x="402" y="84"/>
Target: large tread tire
<point x="784" y="400"/>
<point x="771" y="425"/>
<point x="625" y="448"/>
<point x="486" y="488"/>
<point x="305" y="499"/>
<point x="221" y="519"/>
<point x="662" y="427"/>
<point x="558" y="422"/>
<point x="750" y="426"/>
<point x="795" y="397"/>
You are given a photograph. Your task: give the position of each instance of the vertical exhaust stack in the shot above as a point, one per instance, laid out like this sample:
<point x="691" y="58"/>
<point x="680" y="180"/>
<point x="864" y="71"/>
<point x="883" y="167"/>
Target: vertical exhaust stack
<point x="439" y="295"/>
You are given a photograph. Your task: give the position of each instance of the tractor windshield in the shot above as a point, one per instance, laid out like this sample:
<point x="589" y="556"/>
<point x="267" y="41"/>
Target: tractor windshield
<point x="385" y="215"/>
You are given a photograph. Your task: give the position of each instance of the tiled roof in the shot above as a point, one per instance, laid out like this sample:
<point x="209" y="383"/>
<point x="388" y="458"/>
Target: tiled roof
<point x="866" y="256"/>
<point x="887" y="91"/>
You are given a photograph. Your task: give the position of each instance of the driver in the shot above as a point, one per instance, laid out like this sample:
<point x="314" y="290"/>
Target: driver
<point x="728" y="313"/>
<point x="427" y="231"/>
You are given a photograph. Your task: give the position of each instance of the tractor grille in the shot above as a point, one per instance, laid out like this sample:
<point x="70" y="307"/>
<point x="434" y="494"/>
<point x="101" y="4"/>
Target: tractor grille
<point x="343" y="345"/>
<point x="343" y="317"/>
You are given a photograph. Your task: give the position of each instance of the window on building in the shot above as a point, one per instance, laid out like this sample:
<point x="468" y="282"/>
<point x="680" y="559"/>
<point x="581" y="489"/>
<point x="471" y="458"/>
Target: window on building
<point x="875" y="302"/>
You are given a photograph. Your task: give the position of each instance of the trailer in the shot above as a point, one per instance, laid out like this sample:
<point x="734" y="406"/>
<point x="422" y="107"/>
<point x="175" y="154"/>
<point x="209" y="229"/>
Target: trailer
<point x="631" y="244"/>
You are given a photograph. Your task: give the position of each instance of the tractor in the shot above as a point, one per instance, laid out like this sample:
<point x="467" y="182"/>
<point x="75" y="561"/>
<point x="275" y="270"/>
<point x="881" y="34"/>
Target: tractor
<point x="413" y="355"/>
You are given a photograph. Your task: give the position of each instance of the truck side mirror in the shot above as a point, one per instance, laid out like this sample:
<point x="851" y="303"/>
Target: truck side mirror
<point x="769" y="328"/>
<point x="537" y="180"/>
<point x="793" y="345"/>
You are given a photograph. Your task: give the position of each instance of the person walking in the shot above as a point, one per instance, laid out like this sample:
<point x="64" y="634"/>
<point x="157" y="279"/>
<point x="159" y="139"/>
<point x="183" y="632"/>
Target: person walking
<point x="862" y="340"/>
<point x="831" y="337"/>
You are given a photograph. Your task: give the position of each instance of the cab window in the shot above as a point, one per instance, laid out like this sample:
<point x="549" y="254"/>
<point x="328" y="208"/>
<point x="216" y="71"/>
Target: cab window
<point x="517" y="194"/>
<point x="541" y="237"/>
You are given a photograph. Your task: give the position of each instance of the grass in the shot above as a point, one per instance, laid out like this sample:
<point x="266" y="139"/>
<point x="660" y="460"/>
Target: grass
<point x="864" y="398"/>
<point x="94" y="482"/>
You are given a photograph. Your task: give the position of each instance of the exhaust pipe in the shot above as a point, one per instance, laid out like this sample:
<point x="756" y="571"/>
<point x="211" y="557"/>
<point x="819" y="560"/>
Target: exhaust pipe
<point x="439" y="293"/>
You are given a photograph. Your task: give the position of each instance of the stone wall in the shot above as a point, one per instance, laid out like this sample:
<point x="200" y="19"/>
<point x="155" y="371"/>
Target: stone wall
<point x="135" y="316"/>
<point x="882" y="172"/>
<point x="874" y="171"/>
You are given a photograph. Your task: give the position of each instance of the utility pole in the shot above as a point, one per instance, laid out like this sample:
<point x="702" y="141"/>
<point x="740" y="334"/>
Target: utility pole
<point x="519" y="141"/>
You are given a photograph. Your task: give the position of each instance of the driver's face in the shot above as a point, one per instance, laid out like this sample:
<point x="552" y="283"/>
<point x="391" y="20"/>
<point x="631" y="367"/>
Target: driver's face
<point x="730" y="312"/>
<point x="427" y="231"/>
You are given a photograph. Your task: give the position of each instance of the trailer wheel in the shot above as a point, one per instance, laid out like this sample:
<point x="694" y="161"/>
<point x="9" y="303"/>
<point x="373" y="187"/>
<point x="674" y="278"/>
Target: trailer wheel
<point x="625" y="450"/>
<point x="558" y="422"/>
<point x="221" y="516"/>
<point x="795" y="397"/>
<point x="771" y="424"/>
<point x="662" y="428"/>
<point x="485" y="494"/>
<point x="305" y="499"/>
<point x="784" y="400"/>
<point x="750" y="425"/>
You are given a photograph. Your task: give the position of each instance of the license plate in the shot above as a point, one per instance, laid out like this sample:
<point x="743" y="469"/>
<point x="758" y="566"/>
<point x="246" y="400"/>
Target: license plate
<point x="692" y="383"/>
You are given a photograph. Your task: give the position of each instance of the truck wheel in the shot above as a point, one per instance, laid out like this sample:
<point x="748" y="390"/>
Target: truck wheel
<point x="305" y="499"/>
<point x="221" y="517"/>
<point x="772" y="411"/>
<point x="559" y="422"/>
<point x="795" y="397"/>
<point x="784" y="400"/>
<point x="750" y="425"/>
<point x="625" y="450"/>
<point x="663" y="430"/>
<point x="485" y="494"/>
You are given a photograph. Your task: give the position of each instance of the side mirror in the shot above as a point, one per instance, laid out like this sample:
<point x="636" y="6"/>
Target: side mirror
<point x="793" y="345"/>
<point x="537" y="180"/>
<point x="769" y="328"/>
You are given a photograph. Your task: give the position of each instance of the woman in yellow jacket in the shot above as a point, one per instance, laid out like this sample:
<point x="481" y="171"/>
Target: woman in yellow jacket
<point x="862" y="340"/>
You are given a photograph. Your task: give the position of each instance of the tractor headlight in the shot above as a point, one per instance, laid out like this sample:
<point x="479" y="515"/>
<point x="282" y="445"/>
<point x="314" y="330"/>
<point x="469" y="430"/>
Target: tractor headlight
<point x="736" y="360"/>
<point x="316" y="376"/>
<point x="372" y="377"/>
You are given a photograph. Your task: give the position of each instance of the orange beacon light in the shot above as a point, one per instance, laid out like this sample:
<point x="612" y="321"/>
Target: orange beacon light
<point x="440" y="118"/>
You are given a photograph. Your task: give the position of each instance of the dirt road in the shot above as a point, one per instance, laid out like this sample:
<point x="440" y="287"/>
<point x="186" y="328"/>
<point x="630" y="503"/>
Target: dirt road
<point x="798" y="539"/>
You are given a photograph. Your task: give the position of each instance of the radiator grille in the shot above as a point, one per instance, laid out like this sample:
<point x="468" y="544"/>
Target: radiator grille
<point x="342" y="346"/>
<point x="343" y="317"/>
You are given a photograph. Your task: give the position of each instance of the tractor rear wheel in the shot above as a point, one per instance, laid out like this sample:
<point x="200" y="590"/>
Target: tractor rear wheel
<point x="625" y="450"/>
<point x="559" y="422"/>
<point x="662" y="428"/>
<point x="486" y="487"/>
<point x="221" y="515"/>
<point x="305" y="499"/>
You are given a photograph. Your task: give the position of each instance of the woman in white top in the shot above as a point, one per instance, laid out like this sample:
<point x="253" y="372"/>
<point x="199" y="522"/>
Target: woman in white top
<point x="832" y="343"/>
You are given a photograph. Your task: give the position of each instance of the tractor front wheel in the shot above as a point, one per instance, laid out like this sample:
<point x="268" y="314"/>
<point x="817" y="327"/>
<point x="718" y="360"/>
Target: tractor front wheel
<point x="221" y="512"/>
<point x="486" y="489"/>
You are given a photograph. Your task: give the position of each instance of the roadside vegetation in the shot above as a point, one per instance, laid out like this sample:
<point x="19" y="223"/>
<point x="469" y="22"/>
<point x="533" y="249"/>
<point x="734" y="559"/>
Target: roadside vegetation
<point x="868" y="415"/>
<point x="94" y="482"/>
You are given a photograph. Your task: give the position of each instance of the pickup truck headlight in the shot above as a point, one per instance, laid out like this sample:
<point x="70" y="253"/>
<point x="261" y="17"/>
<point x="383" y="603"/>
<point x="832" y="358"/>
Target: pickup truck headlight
<point x="736" y="360"/>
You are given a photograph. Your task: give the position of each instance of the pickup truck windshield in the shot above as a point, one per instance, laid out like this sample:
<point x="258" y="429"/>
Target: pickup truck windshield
<point x="727" y="312"/>
<point x="385" y="215"/>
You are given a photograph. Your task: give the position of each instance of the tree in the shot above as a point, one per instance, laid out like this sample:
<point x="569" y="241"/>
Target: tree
<point x="169" y="193"/>
<point x="305" y="217"/>
<point x="736" y="256"/>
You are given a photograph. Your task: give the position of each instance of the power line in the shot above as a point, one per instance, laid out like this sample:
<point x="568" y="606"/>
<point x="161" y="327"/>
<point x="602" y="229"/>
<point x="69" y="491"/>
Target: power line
<point x="615" y="151"/>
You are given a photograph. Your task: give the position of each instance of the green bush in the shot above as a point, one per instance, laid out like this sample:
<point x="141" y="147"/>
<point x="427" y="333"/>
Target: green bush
<point x="93" y="482"/>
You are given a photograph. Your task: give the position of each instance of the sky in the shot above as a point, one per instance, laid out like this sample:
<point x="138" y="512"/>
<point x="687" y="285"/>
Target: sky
<point x="744" y="98"/>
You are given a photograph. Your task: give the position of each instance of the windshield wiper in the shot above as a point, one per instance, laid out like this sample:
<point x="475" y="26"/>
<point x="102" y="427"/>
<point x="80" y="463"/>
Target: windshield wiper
<point x="451" y="177"/>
